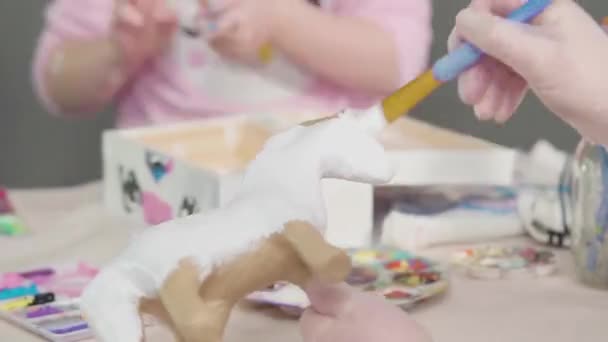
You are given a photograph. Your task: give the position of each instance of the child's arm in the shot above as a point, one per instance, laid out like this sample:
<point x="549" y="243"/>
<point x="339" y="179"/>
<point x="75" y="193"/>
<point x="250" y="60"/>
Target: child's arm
<point x="83" y="57"/>
<point x="373" y="47"/>
<point x="72" y="62"/>
<point x="77" y="76"/>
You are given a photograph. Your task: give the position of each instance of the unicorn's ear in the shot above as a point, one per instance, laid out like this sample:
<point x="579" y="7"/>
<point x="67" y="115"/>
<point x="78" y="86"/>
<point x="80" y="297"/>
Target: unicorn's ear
<point x="350" y="153"/>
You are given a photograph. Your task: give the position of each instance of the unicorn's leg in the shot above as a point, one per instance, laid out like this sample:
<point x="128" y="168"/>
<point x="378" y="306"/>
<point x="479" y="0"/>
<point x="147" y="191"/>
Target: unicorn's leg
<point x="326" y="263"/>
<point x="110" y="305"/>
<point x="156" y="309"/>
<point x="194" y="319"/>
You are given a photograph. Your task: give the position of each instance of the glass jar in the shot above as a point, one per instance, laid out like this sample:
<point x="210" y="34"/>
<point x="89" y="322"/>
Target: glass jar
<point x="588" y="213"/>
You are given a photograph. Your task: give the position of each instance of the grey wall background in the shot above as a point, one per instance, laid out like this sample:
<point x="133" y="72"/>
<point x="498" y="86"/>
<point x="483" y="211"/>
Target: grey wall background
<point x="37" y="150"/>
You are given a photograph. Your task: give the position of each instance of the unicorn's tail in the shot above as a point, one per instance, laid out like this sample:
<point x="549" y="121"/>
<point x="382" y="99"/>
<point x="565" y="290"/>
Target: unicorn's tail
<point x="110" y="305"/>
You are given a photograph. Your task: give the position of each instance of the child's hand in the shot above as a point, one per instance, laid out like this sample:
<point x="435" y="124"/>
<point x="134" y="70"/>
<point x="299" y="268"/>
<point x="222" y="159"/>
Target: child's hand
<point x="240" y="28"/>
<point x="142" y="29"/>
<point x="340" y="313"/>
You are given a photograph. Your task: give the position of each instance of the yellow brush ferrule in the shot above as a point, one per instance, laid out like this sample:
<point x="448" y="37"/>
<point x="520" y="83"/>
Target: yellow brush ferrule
<point x="265" y="53"/>
<point x="407" y="97"/>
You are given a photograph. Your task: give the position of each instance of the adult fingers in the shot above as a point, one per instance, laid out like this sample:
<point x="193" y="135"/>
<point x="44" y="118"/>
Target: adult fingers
<point x="330" y="300"/>
<point x="514" y="44"/>
<point x="473" y="83"/>
<point x="517" y="90"/>
<point x="499" y="7"/>
<point x="495" y="94"/>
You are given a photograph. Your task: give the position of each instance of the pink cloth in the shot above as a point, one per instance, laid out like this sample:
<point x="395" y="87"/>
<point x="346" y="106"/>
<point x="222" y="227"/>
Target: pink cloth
<point x="162" y="94"/>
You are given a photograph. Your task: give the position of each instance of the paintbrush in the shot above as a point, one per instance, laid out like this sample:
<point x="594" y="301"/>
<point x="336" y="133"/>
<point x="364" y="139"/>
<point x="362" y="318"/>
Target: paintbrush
<point x="447" y="68"/>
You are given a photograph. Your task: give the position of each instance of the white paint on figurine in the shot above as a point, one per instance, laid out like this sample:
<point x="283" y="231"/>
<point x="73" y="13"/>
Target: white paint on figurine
<point x="282" y="184"/>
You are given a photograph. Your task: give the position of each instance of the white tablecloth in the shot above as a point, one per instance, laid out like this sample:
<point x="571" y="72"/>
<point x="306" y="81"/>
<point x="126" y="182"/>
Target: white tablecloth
<point x="70" y="224"/>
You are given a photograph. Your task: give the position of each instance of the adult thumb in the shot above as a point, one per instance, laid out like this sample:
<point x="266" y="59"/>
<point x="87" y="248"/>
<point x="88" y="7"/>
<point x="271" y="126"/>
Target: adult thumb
<point x="514" y="44"/>
<point x="329" y="299"/>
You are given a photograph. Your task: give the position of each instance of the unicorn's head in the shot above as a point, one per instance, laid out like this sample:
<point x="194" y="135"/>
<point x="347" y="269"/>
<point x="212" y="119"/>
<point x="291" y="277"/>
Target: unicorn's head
<point x="333" y="148"/>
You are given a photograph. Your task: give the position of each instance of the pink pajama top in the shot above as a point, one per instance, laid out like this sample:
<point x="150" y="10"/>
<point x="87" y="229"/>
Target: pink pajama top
<point x="191" y="81"/>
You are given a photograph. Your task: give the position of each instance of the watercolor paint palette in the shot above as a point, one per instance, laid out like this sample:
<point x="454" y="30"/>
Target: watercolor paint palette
<point x="45" y="301"/>
<point x="497" y="262"/>
<point x="400" y="277"/>
<point x="58" y="321"/>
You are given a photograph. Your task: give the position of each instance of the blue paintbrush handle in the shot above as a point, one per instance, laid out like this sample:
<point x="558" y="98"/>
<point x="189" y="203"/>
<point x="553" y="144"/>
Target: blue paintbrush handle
<point x="465" y="56"/>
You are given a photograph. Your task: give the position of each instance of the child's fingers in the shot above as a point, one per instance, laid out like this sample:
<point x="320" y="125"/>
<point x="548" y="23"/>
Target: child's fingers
<point x="217" y="7"/>
<point x="224" y="26"/>
<point x="224" y="47"/>
<point x="129" y="15"/>
<point x="146" y="8"/>
<point x="163" y="14"/>
<point x="166" y="30"/>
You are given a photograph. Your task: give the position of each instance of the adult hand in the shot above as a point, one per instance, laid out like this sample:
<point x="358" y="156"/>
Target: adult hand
<point x="561" y="56"/>
<point x="340" y="313"/>
<point x="241" y="28"/>
<point x="142" y="29"/>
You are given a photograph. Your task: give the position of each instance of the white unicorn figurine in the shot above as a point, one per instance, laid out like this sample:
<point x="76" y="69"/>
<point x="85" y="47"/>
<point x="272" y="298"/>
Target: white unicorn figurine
<point x="190" y="272"/>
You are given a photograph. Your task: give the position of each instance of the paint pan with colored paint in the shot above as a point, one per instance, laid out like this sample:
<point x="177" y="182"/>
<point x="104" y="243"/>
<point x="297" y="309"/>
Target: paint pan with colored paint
<point x="66" y="306"/>
<point x="402" y="278"/>
<point x="61" y="325"/>
<point x="44" y="301"/>
<point x="53" y="323"/>
<point x="60" y="321"/>
<point x="10" y="224"/>
<point x="21" y="291"/>
<point x="27" y="301"/>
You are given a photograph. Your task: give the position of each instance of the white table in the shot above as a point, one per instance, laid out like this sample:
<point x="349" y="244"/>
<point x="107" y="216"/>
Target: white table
<point x="70" y="224"/>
